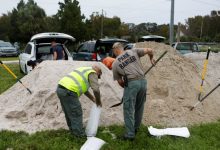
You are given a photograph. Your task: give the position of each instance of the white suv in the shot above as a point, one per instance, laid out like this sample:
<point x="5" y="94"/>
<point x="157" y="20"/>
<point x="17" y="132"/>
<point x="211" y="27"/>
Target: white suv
<point x="39" y="48"/>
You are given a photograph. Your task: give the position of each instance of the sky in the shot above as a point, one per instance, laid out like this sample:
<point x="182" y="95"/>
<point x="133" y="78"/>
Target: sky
<point x="131" y="11"/>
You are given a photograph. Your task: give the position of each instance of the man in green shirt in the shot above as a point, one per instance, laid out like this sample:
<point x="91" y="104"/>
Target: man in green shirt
<point x="71" y="87"/>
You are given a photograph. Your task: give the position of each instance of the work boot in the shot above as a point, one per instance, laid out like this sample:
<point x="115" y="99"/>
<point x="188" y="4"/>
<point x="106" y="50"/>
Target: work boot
<point x="124" y="138"/>
<point x="136" y="130"/>
<point x="81" y="135"/>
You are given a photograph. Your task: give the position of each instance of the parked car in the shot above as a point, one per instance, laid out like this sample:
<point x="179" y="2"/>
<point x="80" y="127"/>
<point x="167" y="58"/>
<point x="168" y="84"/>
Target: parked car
<point x="186" y="47"/>
<point x="154" y="38"/>
<point x="16" y="45"/>
<point x="39" y="48"/>
<point x="96" y="50"/>
<point x="7" y="49"/>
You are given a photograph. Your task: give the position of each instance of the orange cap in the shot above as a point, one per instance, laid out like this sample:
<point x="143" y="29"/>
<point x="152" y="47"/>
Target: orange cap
<point x="108" y="61"/>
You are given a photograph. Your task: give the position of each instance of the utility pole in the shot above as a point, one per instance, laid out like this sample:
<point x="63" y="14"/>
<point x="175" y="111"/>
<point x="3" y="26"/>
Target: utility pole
<point x="178" y="32"/>
<point x="102" y="24"/>
<point x="201" y="29"/>
<point x="171" y="22"/>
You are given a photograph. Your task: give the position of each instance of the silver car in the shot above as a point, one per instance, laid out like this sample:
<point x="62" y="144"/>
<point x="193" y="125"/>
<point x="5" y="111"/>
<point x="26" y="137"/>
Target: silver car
<point x="7" y="49"/>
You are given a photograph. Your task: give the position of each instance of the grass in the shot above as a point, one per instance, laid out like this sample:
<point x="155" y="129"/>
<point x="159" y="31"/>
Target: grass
<point x="6" y="80"/>
<point x="8" y="58"/>
<point x="214" y="48"/>
<point x="202" y="137"/>
<point x="205" y="136"/>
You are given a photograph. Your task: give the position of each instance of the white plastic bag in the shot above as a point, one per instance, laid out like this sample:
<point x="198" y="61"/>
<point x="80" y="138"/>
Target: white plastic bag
<point x="93" y="122"/>
<point x="183" y="132"/>
<point x="92" y="143"/>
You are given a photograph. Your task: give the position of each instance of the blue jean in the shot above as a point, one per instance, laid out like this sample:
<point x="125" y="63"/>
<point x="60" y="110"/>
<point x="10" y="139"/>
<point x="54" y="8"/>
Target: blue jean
<point x="134" y="99"/>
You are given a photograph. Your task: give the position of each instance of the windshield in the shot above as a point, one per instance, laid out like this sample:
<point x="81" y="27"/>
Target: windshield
<point x="86" y="47"/>
<point x="5" y="44"/>
<point x="186" y="46"/>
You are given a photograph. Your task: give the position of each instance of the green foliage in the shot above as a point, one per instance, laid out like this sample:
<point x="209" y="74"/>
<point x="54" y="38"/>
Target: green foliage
<point x="26" y="20"/>
<point x="140" y="30"/>
<point x="112" y="27"/>
<point x="163" y="30"/>
<point x="8" y="58"/>
<point x="195" y="25"/>
<point x="52" y="24"/>
<point x="202" y="137"/>
<point x="71" y="19"/>
<point x="214" y="48"/>
<point x="207" y="28"/>
<point x="4" y="27"/>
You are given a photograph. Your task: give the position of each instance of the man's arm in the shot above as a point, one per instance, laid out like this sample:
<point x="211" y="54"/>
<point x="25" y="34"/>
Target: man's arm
<point x="63" y="54"/>
<point x="121" y="82"/>
<point x="93" y="80"/>
<point x="143" y="51"/>
<point x="54" y="55"/>
<point x="90" y="96"/>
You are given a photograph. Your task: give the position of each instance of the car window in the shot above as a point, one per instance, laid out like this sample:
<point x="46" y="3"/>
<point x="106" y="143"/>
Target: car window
<point x="195" y="48"/>
<point x="28" y="49"/>
<point x="44" y="50"/>
<point x="184" y="46"/>
<point x="86" y="47"/>
<point x="5" y="44"/>
<point x="2" y="44"/>
<point x="80" y="48"/>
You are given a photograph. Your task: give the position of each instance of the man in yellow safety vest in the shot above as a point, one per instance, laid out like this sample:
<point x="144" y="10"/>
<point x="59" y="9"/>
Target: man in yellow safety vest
<point x="71" y="87"/>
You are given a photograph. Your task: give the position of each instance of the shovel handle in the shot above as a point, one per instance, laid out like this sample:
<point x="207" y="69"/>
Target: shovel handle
<point x="6" y="68"/>
<point x="155" y="62"/>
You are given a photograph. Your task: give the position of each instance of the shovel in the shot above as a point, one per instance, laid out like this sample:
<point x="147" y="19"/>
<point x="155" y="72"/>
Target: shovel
<point x="6" y="68"/>
<point x="200" y="101"/>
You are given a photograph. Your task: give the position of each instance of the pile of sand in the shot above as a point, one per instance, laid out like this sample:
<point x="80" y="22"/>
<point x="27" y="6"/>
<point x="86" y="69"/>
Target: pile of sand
<point x="172" y="88"/>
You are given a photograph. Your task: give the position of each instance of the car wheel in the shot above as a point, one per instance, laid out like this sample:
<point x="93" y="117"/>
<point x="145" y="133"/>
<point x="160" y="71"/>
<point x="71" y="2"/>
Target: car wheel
<point x="26" y="72"/>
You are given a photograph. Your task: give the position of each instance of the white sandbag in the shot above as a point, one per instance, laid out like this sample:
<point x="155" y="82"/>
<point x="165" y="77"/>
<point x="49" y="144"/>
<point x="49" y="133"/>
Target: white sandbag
<point x="93" y="122"/>
<point x="182" y="132"/>
<point x="92" y="143"/>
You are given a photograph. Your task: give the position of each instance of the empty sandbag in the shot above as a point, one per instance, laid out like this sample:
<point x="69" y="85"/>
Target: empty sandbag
<point x="92" y="143"/>
<point x="182" y="132"/>
<point x="93" y="122"/>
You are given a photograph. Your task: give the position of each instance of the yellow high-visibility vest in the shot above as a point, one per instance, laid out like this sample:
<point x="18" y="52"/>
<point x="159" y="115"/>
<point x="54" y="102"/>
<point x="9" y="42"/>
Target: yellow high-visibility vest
<point x="77" y="81"/>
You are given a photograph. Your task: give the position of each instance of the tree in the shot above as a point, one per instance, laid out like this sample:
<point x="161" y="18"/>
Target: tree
<point x="27" y="20"/>
<point x="112" y="27"/>
<point x="71" y="19"/>
<point x="4" y="27"/>
<point x="163" y="30"/>
<point x="52" y="24"/>
<point x="204" y="27"/>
